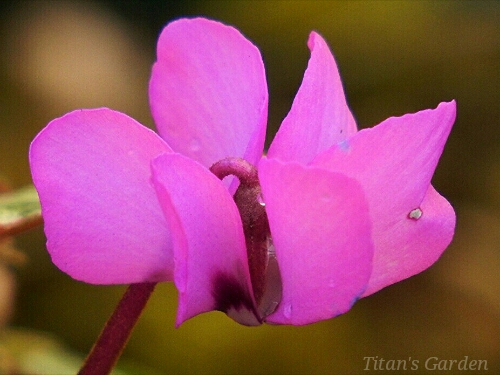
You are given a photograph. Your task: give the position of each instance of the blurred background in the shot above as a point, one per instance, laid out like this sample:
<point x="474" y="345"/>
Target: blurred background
<point x="395" y="57"/>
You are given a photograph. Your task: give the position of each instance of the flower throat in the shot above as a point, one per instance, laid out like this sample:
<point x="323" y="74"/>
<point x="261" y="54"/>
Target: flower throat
<point x="263" y="266"/>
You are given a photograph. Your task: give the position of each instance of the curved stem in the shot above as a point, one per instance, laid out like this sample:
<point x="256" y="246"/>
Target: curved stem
<point x="246" y="172"/>
<point x="115" y="334"/>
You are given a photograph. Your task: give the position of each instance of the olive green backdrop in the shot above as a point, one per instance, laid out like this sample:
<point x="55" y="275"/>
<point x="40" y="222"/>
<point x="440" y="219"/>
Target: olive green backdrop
<point x="395" y="57"/>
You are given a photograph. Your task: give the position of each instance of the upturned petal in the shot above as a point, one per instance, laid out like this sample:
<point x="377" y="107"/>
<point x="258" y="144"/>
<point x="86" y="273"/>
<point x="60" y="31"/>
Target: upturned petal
<point x="211" y="267"/>
<point x="208" y="92"/>
<point x="321" y="231"/>
<point x="102" y="219"/>
<point x="319" y="117"/>
<point x="394" y="162"/>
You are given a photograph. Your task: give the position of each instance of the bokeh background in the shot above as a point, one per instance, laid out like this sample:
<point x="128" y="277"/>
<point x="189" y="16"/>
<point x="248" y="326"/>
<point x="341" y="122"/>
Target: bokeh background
<point x="395" y="57"/>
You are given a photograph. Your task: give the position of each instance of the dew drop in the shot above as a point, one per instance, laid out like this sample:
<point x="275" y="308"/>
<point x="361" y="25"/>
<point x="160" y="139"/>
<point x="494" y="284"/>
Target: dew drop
<point x="270" y="308"/>
<point x="194" y="145"/>
<point x="415" y="214"/>
<point x="326" y="198"/>
<point x="271" y="250"/>
<point x="261" y="200"/>
<point x="344" y="145"/>
<point x="287" y="311"/>
<point x="273" y="291"/>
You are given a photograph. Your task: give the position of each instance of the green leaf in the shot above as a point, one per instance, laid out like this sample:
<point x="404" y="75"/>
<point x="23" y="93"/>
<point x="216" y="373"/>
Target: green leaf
<point x="19" y="210"/>
<point x="26" y="351"/>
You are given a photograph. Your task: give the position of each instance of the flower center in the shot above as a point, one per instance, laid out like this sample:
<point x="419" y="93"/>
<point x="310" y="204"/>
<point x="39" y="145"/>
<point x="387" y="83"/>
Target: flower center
<point x="264" y="272"/>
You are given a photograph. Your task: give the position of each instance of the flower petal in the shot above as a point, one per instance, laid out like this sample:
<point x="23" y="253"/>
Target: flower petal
<point x="394" y="162"/>
<point x="211" y="267"/>
<point x="319" y="116"/>
<point x="322" y="234"/>
<point x="208" y="92"/>
<point x="102" y="219"/>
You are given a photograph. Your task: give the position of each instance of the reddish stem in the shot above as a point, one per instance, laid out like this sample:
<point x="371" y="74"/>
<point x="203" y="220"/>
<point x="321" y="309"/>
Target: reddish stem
<point x="115" y="334"/>
<point x="20" y="226"/>
<point x="246" y="172"/>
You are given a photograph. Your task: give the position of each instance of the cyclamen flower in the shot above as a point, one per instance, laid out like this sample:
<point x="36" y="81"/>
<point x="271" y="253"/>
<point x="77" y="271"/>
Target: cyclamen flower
<point x="334" y="214"/>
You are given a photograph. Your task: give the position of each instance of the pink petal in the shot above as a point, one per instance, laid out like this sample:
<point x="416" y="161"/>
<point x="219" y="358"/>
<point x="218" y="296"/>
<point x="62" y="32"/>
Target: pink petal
<point x="102" y="219"/>
<point x="211" y="267"/>
<point x="394" y="162"/>
<point x="319" y="116"/>
<point x="322" y="234"/>
<point x="208" y="92"/>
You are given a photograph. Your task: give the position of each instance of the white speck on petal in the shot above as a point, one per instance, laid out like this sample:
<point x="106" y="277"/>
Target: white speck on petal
<point x="415" y="214"/>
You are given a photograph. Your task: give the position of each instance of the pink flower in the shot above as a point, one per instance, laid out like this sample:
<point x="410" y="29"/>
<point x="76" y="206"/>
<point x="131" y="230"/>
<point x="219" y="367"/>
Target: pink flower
<point x="349" y="211"/>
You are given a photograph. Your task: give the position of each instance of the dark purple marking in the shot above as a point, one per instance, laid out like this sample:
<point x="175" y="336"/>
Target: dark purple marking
<point x="228" y="292"/>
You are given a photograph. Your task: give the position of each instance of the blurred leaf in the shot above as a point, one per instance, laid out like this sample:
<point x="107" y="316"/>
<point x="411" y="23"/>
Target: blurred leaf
<point x="19" y="210"/>
<point x="32" y="352"/>
<point x="24" y="351"/>
<point x="9" y="254"/>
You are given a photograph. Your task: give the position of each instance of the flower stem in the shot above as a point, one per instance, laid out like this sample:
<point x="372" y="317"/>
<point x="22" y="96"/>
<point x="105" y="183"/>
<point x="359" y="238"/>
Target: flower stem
<point x="115" y="334"/>
<point x="246" y="172"/>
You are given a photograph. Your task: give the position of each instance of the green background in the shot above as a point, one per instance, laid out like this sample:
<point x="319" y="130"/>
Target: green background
<point x="395" y="57"/>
